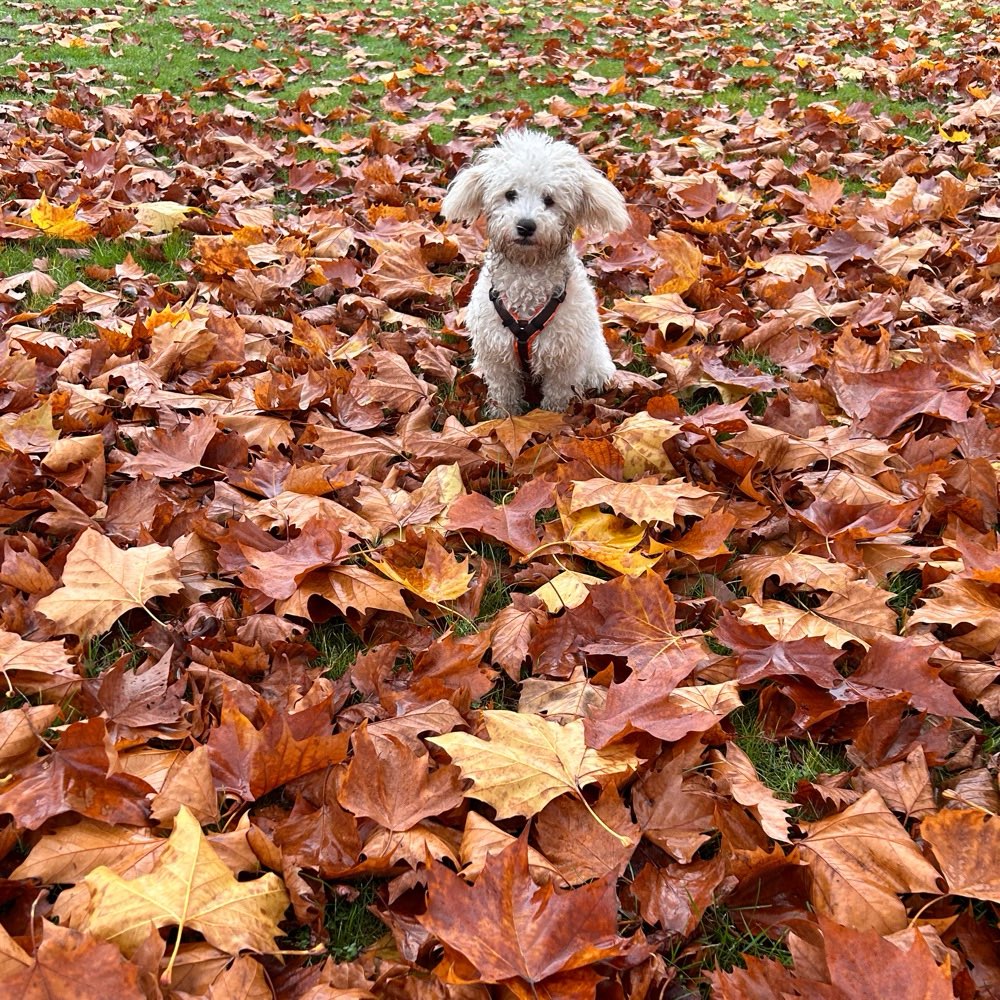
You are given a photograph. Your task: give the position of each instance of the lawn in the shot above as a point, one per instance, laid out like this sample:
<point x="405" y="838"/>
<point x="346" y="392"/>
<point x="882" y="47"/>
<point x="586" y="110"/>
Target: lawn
<point x="272" y="589"/>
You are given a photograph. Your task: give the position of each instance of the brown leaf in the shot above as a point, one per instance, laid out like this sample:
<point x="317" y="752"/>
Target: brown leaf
<point x="387" y="782"/>
<point x="251" y="762"/>
<point x="965" y="843"/>
<point x="505" y="929"/>
<point x="848" y="963"/>
<point x="66" y="960"/>
<point x="79" y="776"/>
<point x="101" y="582"/>
<point x="861" y="860"/>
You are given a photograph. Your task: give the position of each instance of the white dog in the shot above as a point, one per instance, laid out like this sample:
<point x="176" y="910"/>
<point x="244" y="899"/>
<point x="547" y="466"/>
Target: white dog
<point x="532" y="315"/>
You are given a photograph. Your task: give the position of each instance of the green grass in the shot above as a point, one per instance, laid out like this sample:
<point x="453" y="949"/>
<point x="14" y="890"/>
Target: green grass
<point x="494" y="560"/>
<point x="748" y="358"/>
<point x="256" y="57"/>
<point x="781" y="764"/>
<point x="103" y="651"/>
<point x="905" y="586"/>
<point x="726" y="939"/>
<point x="337" y="646"/>
<point x="991" y="738"/>
<point x="723" y="940"/>
<point x="350" y="924"/>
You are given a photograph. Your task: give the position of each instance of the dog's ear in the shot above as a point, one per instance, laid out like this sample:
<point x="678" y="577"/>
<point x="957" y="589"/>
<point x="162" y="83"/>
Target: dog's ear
<point x="602" y="208"/>
<point x="464" y="200"/>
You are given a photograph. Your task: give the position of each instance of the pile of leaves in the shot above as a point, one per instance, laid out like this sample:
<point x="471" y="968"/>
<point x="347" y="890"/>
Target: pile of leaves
<point x="714" y="649"/>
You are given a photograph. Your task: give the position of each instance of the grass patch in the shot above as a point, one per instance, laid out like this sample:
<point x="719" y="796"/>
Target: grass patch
<point x="727" y="940"/>
<point x="351" y="925"/>
<point x="748" y="358"/>
<point x="104" y="651"/>
<point x="905" y="586"/>
<point x="337" y="646"/>
<point x="700" y="397"/>
<point x="991" y="738"/>
<point x="781" y="764"/>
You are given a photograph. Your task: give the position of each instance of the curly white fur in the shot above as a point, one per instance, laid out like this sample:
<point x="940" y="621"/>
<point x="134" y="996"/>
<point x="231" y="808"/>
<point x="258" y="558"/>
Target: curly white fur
<point x="535" y="192"/>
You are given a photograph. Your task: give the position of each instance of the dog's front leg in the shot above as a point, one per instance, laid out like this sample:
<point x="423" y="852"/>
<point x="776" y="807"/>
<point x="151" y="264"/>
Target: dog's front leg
<point x="504" y="390"/>
<point x="557" y="393"/>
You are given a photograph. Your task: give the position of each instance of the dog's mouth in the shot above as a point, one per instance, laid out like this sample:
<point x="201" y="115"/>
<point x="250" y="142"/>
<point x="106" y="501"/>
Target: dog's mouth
<point x="525" y="241"/>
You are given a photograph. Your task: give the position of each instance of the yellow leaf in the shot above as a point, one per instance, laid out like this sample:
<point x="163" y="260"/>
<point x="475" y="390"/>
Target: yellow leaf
<point x="101" y="582"/>
<point x="54" y="220"/>
<point x="959" y="135"/>
<point x="645" y="501"/>
<point x="568" y="589"/>
<point x="528" y="761"/>
<point x="640" y="440"/>
<point x="440" y="578"/>
<point x="664" y="310"/>
<point x="191" y="889"/>
<point x="167" y="316"/>
<point x="681" y="266"/>
<point x="162" y="216"/>
<point x="605" y="539"/>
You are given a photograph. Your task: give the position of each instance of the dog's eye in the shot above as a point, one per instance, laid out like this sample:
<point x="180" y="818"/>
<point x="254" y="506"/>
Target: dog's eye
<point x="548" y="201"/>
<point x="511" y="195"/>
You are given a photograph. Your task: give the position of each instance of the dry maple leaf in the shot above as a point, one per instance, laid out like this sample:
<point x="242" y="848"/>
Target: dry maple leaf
<point x="506" y="929"/>
<point x="759" y="655"/>
<point x="604" y="538"/>
<point x="860" y="860"/>
<point x="640" y="440"/>
<point x="55" y="220"/>
<point x="188" y="888"/>
<point x="36" y="667"/>
<point x="251" y="762"/>
<point x="665" y="310"/>
<point x="645" y="500"/>
<point x="964" y="602"/>
<point x="161" y="216"/>
<point x="81" y="775"/>
<point x="736" y="770"/>
<point x="966" y="843"/>
<point x="680" y="263"/>
<point x="673" y="804"/>
<point x="847" y="964"/>
<point x="439" y="577"/>
<point x="859" y="614"/>
<point x="101" y="582"/>
<point x="387" y="782"/>
<point x="904" y="784"/>
<point x="797" y="569"/>
<point x="528" y="761"/>
<point x="68" y="965"/>
<point x="21" y="734"/>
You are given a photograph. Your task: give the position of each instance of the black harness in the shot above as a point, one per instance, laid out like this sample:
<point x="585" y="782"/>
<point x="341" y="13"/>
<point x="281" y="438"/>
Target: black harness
<point x="525" y="330"/>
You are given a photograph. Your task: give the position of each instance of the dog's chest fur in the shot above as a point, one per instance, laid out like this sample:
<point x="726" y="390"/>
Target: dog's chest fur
<point x="526" y="290"/>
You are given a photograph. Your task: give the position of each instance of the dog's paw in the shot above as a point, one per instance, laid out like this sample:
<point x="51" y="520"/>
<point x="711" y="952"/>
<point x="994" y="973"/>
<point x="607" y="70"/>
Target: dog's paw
<point x="557" y="401"/>
<point x="495" y="410"/>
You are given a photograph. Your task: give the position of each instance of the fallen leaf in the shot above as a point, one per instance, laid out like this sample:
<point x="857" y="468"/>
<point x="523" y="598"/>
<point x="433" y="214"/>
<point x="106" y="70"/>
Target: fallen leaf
<point x="528" y="761"/>
<point x="189" y="888"/>
<point x="101" y="582"/>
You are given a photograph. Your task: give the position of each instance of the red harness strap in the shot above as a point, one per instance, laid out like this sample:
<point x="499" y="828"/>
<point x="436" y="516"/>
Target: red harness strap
<point x="525" y="330"/>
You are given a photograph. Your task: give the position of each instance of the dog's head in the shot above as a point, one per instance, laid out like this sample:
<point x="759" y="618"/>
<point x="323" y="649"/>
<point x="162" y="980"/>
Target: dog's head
<point x="535" y="192"/>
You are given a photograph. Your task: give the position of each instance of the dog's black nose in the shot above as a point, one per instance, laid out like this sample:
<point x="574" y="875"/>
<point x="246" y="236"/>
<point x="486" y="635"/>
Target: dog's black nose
<point x="526" y="227"/>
